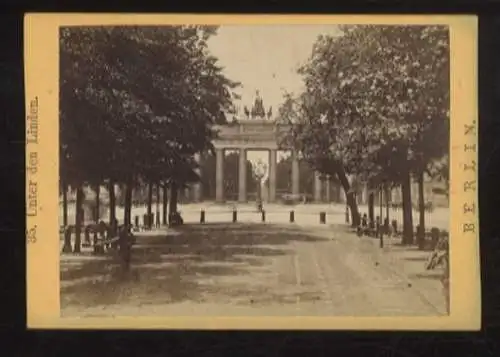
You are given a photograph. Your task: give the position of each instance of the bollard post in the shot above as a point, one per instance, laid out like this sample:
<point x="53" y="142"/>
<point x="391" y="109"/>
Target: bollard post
<point x="322" y="217"/>
<point x="377" y="227"/>
<point x="381" y="236"/>
<point x="124" y="247"/>
<point x="420" y="237"/>
<point x="346" y="214"/>
<point x="202" y="216"/>
<point x="263" y="213"/>
<point x="292" y="216"/>
<point x="136" y="221"/>
<point x="235" y="216"/>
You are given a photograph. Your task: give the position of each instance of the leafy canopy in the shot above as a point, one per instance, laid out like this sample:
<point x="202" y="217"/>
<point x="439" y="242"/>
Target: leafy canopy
<point x="138" y="102"/>
<point x="376" y="101"/>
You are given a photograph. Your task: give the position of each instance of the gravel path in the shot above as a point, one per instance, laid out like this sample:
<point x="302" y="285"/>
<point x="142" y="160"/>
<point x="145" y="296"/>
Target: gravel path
<point x="251" y="270"/>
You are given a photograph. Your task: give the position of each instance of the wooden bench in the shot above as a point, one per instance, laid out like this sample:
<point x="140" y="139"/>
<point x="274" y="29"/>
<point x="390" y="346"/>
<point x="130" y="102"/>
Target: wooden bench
<point x="440" y="254"/>
<point x="110" y="243"/>
<point x="437" y="258"/>
<point x="367" y="231"/>
<point x="101" y="244"/>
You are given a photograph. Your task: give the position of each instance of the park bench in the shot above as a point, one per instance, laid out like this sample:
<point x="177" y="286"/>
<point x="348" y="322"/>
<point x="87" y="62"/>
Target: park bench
<point x="439" y="256"/>
<point x="101" y="244"/>
<point x="367" y="229"/>
<point x="111" y="242"/>
<point x="96" y="229"/>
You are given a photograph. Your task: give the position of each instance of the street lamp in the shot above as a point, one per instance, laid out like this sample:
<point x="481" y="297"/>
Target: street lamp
<point x="260" y="171"/>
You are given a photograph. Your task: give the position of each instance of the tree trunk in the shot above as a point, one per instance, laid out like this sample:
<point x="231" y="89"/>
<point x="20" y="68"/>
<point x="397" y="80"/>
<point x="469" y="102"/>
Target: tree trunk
<point x="97" y="190"/>
<point x="158" y="193"/>
<point x="174" y="191"/>
<point x="150" y="204"/>
<point x="371" y="208"/>
<point x="67" y="231"/>
<point x="127" y="217"/>
<point x="165" y="204"/>
<point x="387" y="191"/>
<point x="407" y="210"/>
<point x="421" y="209"/>
<point x="112" y="202"/>
<point x="78" y="219"/>
<point x="65" y="203"/>
<point x="157" y="213"/>
<point x="350" y="198"/>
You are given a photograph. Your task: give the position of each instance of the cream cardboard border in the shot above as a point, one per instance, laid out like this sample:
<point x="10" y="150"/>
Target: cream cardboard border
<point x="41" y="71"/>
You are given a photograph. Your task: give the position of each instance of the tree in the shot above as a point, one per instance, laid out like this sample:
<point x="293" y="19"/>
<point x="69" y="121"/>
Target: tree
<point x="375" y="98"/>
<point x="310" y="135"/>
<point x="139" y="120"/>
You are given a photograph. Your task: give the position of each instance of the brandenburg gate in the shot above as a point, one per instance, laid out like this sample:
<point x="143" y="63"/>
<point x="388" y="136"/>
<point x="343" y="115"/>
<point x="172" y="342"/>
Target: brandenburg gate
<point x="251" y="134"/>
<point x="258" y="131"/>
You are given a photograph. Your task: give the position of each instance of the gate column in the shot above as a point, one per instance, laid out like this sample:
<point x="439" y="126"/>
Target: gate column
<point x="242" y="177"/>
<point x="295" y="174"/>
<point x="272" y="175"/>
<point x="197" y="186"/>
<point x="219" y="175"/>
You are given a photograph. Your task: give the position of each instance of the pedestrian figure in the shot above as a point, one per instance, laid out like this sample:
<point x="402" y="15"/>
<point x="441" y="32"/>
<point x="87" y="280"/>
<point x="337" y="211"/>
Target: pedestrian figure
<point x="176" y="219"/>
<point x="364" y="224"/>
<point x="394" y="227"/>
<point x="86" y="242"/>
<point x="68" y="231"/>
<point x="363" y="227"/>
<point x="386" y="226"/>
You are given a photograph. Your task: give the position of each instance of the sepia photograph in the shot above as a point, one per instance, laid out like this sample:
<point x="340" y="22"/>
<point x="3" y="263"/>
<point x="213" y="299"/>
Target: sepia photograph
<point x="297" y="170"/>
<point x="257" y="170"/>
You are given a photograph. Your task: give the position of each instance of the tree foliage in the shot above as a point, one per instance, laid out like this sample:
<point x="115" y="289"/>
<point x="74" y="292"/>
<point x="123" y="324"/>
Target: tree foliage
<point x="138" y="102"/>
<point x="383" y="94"/>
<point x="375" y="104"/>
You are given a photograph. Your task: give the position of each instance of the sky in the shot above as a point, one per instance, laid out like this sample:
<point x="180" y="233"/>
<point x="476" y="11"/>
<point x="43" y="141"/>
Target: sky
<point x="265" y="58"/>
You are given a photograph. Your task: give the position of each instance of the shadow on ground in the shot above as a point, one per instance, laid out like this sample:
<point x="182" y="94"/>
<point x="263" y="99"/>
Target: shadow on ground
<point x="200" y="261"/>
<point x="422" y="258"/>
<point x="429" y="274"/>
